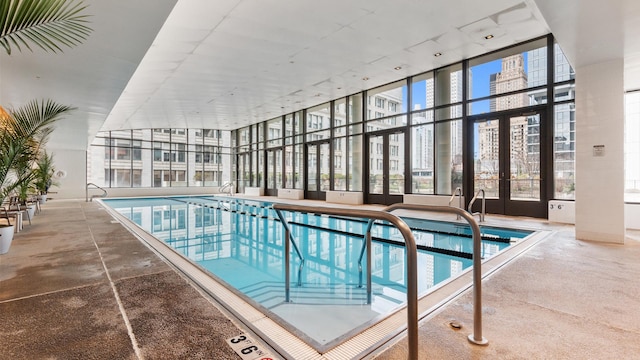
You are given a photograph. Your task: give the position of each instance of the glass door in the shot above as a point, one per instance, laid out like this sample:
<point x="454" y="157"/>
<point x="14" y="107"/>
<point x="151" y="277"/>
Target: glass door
<point x="274" y="171"/>
<point x="244" y="173"/>
<point x="509" y="164"/>
<point x="386" y="168"/>
<point x="318" y="170"/>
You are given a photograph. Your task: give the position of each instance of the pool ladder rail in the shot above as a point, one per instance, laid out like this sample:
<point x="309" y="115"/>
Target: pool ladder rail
<point x="457" y="192"/>
<point x="483" y="211"/>
<point x="225" y="186"/>
<point x="411" y="260"/>
<point x="94" y="186"/>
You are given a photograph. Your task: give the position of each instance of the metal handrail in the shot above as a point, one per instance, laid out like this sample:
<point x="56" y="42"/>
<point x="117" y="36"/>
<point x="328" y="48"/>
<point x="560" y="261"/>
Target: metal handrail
<point x="412" y="258"/>
<point x="228" y="184"/>
<point x="288" y="239"/>
<point x="483" y="211"/>
<point x="104" y="192"/>
<point x="458" y="190"/>
<point x="476" y="337"/>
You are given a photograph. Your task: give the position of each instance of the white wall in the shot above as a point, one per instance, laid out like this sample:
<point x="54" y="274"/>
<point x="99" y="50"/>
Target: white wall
<point x="632" y="216"/>
<point x="74" y="163"/>
<point x="600" y="177"/>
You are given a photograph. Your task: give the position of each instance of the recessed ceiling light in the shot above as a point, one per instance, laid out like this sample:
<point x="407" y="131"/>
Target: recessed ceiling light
<point x="489" y="37"/>
<point x="398" y="67"/>
<point x="437" y="54"/>
<point x="365" y="78"/>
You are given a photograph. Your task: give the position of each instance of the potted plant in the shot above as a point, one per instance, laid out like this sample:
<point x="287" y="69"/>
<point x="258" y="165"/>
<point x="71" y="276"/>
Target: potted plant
<point x="22" y="134"/>
<point x="46" y="24"/>
<point x="6" y="237"/>
<point x="25" y="188"/>
<point x="44" y="178"/>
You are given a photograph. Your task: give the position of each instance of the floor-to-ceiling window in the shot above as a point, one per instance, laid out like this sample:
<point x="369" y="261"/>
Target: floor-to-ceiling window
<point x="486" y="122"/>
<point x="422" y="137"/>
<point x="564" y="132"/>
<point x="160" y="158"/>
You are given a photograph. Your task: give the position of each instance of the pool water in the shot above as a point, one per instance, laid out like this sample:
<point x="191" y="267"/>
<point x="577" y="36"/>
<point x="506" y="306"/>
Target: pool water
<point x="241" y="242"/>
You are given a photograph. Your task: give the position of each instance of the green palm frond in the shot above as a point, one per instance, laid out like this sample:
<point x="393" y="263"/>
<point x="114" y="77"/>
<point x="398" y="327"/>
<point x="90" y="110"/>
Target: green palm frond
<point x="34" y="120"/>
<point x="24" y="132"/>
<point x="45" y="23"/>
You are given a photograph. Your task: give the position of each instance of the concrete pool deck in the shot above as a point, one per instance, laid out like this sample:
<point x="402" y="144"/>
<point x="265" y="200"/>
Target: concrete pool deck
<point x="77" y="285"/>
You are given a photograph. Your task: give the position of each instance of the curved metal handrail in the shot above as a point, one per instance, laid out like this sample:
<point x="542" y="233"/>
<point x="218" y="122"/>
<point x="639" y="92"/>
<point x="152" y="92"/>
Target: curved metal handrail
<point x="412" y="258"/>
<point x="287" y="240"/>
<point x="457" y="191"/>
<point x="476" y="337"/>
<point x="104" y="192"/>
<point x="483" y="210"/>
<point x="228" y="184"/>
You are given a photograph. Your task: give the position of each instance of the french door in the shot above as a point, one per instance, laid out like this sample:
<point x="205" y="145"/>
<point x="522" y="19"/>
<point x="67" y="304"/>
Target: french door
<point x="244" y="172"/>
<point x="509" y="163"/>
<point x="273" y="171"/>
<point x="318" y="170"/>
<point x="385" y="151"/>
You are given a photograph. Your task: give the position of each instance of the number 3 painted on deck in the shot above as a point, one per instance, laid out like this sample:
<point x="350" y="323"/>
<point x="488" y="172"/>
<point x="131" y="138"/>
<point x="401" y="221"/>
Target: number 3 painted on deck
<point x="238" y="339"/>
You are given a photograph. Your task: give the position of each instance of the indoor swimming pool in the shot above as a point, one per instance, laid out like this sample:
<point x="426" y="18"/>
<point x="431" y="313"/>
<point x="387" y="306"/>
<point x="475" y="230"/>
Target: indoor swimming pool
<point x="240" y="242"/>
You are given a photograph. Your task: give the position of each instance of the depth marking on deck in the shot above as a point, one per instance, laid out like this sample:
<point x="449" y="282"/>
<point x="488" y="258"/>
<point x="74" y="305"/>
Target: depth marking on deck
<point x="249" y="349"/>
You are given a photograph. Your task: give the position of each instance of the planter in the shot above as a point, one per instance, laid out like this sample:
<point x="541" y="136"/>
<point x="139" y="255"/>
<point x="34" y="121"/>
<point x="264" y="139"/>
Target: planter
<point x="43" y="199"/>
<point x="32" y="211"/>
<point x="6" y="236"/>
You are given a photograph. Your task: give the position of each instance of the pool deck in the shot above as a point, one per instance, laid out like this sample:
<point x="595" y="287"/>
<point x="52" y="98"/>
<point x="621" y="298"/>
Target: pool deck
<point x="77" y="285"/>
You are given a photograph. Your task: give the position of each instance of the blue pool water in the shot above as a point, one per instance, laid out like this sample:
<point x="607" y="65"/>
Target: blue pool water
<point x="241" y="242"/>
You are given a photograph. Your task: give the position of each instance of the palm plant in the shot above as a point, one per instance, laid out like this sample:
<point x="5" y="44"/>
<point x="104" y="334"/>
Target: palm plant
<point x="44" y="173"/>
<point x="25" y="131"/>
<point x="44" y="23"/>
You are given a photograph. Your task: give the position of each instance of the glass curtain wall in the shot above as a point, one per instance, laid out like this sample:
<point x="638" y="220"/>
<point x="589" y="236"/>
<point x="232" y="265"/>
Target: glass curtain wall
<point x="448" y="128"/>
<point x="160" y="158"/>
<point x="355" y="122"/>
<point x="432" y="108"/>
<point x="564" y="132"/>
<point x="422" y="137"/>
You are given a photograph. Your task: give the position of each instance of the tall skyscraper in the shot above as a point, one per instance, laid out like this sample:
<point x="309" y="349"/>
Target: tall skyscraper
<point x="512" y="77"/>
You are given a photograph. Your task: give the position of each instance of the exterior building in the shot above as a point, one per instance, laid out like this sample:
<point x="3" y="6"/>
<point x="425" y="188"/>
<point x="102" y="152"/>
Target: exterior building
<point x="160" y="158"/>
<point x="511" y="78"/>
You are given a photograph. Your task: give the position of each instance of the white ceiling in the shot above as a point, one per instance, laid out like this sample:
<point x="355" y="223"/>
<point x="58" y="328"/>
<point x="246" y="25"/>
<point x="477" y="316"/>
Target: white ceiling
<point x="228" y="63"/>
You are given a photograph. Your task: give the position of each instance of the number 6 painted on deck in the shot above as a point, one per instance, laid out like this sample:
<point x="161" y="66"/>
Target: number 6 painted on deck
<point x="249" y="350"/>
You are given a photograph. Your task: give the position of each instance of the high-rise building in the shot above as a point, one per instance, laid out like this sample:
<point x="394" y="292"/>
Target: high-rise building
<point x="512" y="77"/>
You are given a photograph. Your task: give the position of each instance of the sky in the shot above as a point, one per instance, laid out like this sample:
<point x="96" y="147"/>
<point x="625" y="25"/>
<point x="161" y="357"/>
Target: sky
<point x="480" y="85"/>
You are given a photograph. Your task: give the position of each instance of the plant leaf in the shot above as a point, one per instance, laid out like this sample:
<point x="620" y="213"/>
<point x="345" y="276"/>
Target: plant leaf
<point x="44" y="23"/>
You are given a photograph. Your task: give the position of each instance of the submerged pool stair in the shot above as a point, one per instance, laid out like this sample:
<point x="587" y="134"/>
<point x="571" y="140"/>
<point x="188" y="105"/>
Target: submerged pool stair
<point x="411" y="260"/>
<point x="271" y="294"/>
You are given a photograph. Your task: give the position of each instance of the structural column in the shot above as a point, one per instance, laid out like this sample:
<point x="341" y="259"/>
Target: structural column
<point x="600" y="152"/>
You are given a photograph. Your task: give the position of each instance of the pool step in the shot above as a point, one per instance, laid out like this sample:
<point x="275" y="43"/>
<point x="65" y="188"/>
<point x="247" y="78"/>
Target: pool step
<point x="271" y="295"/>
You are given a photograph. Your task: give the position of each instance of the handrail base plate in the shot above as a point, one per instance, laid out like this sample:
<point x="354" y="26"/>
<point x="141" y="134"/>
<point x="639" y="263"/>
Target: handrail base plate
<point x="483" y="342"/>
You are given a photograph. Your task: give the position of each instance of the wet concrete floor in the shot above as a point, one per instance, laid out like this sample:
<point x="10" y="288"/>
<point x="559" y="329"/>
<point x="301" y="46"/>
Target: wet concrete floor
<point x="77" y="285"/>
